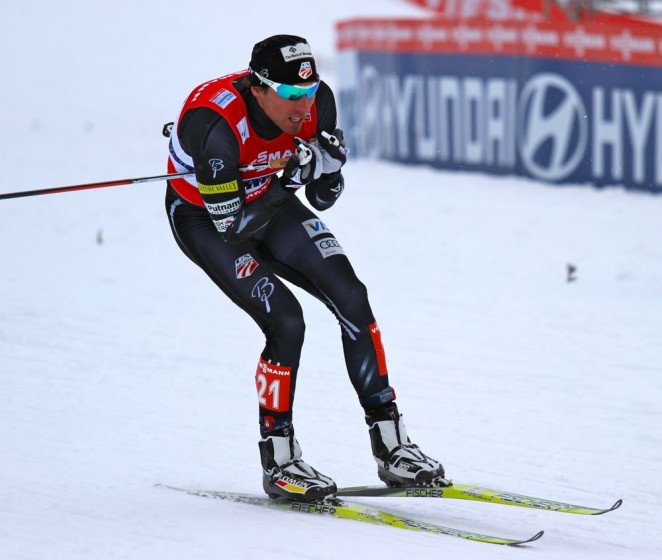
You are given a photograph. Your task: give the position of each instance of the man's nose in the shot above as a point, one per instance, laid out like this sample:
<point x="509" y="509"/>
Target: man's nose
<point x="304" y="103"/>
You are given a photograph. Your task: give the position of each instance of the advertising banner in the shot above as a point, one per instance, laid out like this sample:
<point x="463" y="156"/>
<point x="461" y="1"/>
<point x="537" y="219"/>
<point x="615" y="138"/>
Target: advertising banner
<point x="560" y="103"/>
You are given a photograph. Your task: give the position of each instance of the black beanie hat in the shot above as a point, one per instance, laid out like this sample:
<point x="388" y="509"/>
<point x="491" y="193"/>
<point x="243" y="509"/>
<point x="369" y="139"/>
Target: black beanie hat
<point x="286" y="59"/>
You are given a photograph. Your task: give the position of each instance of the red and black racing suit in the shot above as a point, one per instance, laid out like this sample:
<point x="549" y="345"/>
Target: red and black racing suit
<point x="226" y="138"/>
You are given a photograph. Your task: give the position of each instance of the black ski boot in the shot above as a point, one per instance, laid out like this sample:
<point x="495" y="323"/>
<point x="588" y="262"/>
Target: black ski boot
<point x="400" y="462"/>
<point x="286" y="475"/>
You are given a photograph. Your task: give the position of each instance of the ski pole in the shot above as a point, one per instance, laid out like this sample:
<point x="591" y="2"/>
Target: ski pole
<point x="4" y="196"/>
<point x="272" y="164"/>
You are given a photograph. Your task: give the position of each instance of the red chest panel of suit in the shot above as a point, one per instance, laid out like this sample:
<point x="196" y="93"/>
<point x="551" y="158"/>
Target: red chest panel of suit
<point x="221" y="96"/>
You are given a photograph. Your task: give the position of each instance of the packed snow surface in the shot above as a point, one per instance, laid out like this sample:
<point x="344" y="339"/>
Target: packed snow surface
<point x="122" y="365"/>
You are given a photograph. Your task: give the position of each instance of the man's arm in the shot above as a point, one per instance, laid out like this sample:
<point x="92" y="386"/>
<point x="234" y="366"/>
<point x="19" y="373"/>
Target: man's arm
<point x="323" y="192"/>
<point x="209" y="140"/>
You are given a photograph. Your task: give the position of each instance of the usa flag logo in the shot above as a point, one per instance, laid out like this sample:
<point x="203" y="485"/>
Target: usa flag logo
<point x="245" y="266"/>
<point x="305" y="70"/>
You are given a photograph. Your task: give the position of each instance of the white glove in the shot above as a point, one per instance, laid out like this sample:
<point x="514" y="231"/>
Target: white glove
<point x="334" y="152"/>
<point x="304" y="166"/>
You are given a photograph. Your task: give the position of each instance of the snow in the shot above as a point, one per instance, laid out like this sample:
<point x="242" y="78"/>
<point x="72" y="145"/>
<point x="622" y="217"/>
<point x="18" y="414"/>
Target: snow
<point x="122" y="366"/>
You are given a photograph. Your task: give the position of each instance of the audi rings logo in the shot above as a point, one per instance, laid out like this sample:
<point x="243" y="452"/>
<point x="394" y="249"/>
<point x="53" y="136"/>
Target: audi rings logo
<point x="329" y="243"/>
<point x="552" y="127"/>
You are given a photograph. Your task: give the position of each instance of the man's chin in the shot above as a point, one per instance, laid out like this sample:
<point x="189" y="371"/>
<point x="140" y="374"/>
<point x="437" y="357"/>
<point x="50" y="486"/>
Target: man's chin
<point x="292" y="127"/>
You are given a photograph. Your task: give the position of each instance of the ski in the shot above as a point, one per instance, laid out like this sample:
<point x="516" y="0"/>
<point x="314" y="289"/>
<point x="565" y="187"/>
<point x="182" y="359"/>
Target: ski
<point x="473" y="493"/>
<point x="342" y="509"/>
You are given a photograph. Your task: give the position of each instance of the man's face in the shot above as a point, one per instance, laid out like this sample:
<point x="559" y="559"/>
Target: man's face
<point x="287" y="114"/>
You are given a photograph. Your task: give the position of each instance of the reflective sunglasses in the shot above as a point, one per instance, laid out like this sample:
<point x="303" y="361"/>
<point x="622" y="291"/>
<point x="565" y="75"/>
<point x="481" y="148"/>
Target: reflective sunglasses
<point x="286" y="91"/>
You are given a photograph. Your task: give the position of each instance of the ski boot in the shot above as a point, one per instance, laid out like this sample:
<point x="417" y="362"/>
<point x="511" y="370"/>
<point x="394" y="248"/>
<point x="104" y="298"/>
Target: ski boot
<point x="286" y="475"/>
<point x="400" y="462"/>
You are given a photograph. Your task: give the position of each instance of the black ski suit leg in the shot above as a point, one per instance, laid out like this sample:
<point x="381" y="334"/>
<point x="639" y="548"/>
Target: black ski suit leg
<point x="249" y="281"/>
<point x="301" y="249"/>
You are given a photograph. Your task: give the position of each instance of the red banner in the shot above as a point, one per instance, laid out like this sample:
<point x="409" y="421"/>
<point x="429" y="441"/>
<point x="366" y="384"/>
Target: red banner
<point x="496" y="10"/>
<point x="639" y="43"/>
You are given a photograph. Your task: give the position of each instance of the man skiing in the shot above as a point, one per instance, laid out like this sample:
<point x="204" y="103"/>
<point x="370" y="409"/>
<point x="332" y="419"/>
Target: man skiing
<point x="241" y="221"/>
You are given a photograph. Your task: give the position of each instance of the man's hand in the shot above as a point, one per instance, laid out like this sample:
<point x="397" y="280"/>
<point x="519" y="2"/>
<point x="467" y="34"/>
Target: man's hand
<point x="333" y="150"/>
<point x="304" y="166"/>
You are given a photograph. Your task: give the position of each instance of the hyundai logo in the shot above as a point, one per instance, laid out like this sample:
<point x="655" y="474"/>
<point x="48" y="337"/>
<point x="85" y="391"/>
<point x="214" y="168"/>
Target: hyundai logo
<point x="552" y="127"/>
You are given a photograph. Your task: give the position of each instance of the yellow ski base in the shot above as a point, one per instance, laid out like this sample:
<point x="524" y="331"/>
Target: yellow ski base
<point x="353" y="511"/>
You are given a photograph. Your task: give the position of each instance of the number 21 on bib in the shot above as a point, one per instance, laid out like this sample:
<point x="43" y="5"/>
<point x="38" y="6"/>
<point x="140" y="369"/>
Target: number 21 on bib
<point x="273" y="386"/>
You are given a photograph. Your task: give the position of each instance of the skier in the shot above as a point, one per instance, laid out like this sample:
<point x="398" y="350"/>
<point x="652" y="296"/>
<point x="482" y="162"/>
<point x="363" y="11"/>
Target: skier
<point x="241" y="221"/>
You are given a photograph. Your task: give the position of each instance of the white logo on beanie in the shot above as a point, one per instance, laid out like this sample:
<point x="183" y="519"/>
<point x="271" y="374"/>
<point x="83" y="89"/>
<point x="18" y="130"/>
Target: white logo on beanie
<point x="295" y="52"/>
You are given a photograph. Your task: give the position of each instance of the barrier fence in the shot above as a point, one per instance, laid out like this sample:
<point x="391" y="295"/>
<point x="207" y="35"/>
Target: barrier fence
<point x="555" y="101"/>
